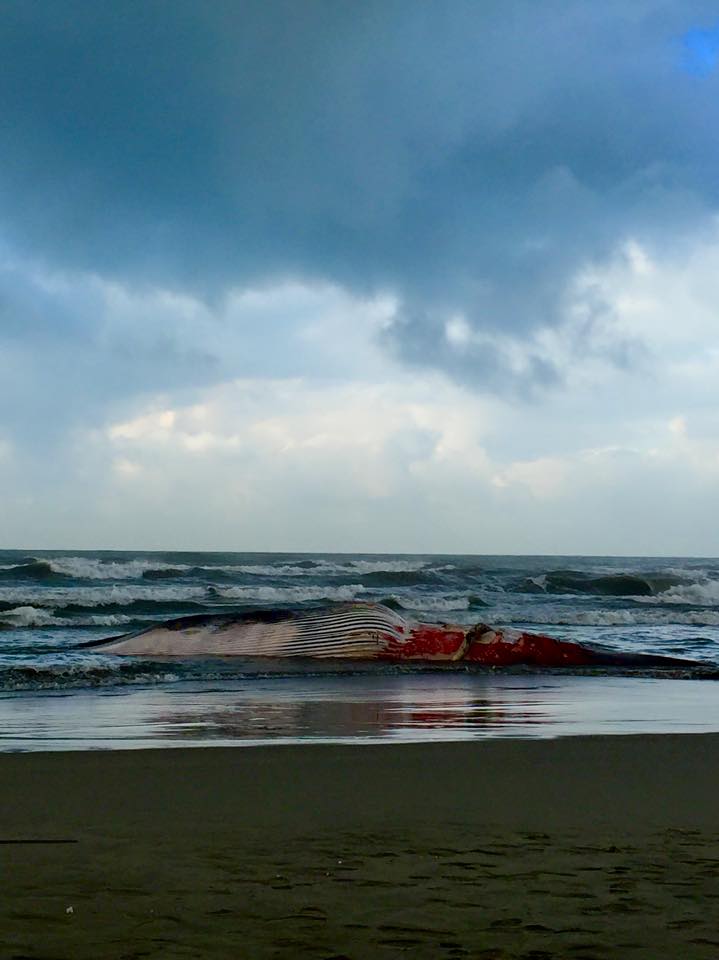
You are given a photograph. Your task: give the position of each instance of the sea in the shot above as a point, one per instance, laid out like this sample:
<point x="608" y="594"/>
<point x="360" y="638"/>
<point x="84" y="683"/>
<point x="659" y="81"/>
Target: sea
<point x="55" y="694"/>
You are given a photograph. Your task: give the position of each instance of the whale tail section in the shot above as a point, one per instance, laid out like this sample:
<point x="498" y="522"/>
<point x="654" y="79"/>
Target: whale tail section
<point x="513" y="647"/>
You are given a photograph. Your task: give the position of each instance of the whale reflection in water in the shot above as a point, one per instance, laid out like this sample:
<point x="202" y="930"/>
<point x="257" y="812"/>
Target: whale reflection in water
<point x="363" y="631"/>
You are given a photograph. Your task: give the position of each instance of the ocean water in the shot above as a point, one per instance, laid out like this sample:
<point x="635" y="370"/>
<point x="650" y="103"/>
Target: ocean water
<point x="54" y="694"/>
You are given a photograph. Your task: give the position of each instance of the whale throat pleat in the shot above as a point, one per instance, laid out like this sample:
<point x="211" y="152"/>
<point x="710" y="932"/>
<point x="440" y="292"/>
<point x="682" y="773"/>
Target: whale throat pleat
<point x="359" y="631"/>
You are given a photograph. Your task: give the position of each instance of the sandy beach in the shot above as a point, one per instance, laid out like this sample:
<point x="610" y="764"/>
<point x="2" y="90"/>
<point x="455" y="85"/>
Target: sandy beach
<point x="581" y="847"/>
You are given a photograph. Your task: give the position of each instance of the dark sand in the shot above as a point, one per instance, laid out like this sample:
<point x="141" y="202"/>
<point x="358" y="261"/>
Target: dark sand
<point x="573" y="848"/>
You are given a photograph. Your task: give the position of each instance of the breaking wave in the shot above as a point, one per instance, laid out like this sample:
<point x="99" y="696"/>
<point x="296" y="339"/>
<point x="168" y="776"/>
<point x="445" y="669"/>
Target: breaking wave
<point x="284" y="595"/>
<point x="90" y="568"/>
<point x="702" y="593"/>
<point x="397" y="578"/>
<point x="666" y="587"/>
<point x="30" y="570"/>
<point x="79" y="675"/>
<point x="115" y="595"/>
<point x="438" y="605"/>
<point x="36" y="617"/>
<point x="94" y="671"/>
<point x="573" y="582"/>
<point x="607" y="618"/>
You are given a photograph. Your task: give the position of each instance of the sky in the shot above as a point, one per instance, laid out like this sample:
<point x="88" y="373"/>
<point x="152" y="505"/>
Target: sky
<point x="381" y="276"/>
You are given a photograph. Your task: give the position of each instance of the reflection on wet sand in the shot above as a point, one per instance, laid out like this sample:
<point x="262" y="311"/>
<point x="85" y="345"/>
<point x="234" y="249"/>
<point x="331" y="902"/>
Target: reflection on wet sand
<point x="380" y="716"/>
<point x="361" y="708"/>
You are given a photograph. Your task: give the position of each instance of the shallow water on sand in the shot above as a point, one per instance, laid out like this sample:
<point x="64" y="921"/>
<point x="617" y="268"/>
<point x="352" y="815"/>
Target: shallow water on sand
<point x="367" y="709"/>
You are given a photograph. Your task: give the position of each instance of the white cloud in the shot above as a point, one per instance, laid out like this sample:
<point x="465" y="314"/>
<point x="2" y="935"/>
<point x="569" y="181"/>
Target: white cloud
<point x="126" y="468"/>
<point x="366" y="438"/>
<point x="669" y="303"/>
<point x="458" y="332"/>
<point x="151" y="426"/>
<point x="309" y="437"/>
<point x="545" y="477"/>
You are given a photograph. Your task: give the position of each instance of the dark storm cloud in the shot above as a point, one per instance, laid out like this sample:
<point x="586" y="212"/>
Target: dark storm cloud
<point x="464" y="156"/>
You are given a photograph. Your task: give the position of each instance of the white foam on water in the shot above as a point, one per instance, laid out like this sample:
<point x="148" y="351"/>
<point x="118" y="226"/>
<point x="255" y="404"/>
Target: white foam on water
<point x="384" y="566"/>
<point x="701" y="593"/>
<point x="278" y="570"/>
<point x="24" y="677"/>
<point x="690" y="573"/>
<point x="42" y="596"/>
<point x="86" y="568"/>
<point x="434" y="604"/>
<point x="325" y="568"/>
<point x="289" y="594"/>
<point x="123" y="594"/>
<point x="611" y="618"/>
<point x="28" y="616"/>
<point x="102" y="620"/>
<point x="83" y="568"/>
<point x="268" y="570"/>
<point x="89" y="568"/>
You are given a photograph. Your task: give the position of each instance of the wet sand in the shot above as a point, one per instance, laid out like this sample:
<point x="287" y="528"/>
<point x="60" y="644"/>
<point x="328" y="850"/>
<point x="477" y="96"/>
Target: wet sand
<point x="580" y="847"/>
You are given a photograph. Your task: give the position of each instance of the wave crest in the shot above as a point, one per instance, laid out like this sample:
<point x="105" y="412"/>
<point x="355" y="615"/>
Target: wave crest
<point x="284" y="595"/>
<point x="645" y="616"/>
<point x="77" y="676"/>
<point x="27" y="616"/>
<point x="30" y="570"/>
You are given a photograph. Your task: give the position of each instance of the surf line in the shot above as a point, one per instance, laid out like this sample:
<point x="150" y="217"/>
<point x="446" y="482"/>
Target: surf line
<point x="364" y="631"/>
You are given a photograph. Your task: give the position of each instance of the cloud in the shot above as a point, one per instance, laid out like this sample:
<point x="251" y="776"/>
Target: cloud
<point x="348" y="448"/>
<point x="662" y="310"/>
<point x="379" y="275"/>
<point x="76" y="347"/>
<point x="406" y="465"/>
<point x="291" y="464"/>
<point x="463" y="159"/>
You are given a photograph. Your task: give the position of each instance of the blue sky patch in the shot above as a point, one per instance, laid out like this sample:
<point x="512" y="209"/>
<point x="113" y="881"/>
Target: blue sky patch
<point x="701" y="51"/>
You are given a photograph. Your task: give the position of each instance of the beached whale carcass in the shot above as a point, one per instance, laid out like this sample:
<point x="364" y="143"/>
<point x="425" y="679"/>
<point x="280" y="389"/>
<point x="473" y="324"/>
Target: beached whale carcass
<point x="360" y="631"/>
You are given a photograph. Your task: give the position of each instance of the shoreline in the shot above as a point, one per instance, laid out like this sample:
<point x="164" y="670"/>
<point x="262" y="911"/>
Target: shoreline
<point x="375" y="707"/>
<point x="601" y="846"/>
